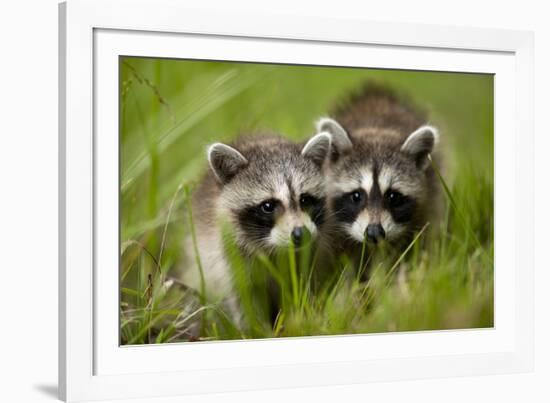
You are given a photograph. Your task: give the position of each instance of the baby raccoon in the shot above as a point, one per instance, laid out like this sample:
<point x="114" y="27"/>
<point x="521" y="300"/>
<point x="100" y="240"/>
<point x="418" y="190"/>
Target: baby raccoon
<point x="269" y="189"/>
<point x="381" y="184"/>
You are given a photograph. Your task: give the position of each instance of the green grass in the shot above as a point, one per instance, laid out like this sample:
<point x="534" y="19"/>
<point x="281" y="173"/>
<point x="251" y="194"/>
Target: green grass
<point x="171" y="109"/>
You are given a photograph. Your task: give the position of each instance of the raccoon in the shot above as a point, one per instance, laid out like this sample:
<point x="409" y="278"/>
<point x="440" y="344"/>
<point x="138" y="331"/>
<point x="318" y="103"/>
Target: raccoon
<point x="381" y="185"/>
<point x="270" y="190"/>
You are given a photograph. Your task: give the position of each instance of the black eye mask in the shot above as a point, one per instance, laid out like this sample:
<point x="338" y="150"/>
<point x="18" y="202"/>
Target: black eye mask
<point x="257" y="221"/>
<point x="401" y="207"/>
<point x="348" y="206"/>
<point x="314" y="207"/>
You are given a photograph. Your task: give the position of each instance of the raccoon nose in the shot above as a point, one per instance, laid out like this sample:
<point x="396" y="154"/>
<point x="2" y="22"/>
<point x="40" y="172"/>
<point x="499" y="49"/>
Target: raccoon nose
<point x="375" y="232"/>
<point x="297" y="234"/>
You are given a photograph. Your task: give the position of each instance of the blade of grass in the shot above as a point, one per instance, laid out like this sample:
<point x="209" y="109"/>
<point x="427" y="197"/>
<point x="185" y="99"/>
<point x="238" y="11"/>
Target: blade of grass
<point x="402" y="256"/>
<point x="188" y="204"/>
<point x="163" y="241"/>
<point x="459" y="211"/>
<point x="226" y="87"/>
<point x="293" y="274"/>
<point x="142" y="247"/>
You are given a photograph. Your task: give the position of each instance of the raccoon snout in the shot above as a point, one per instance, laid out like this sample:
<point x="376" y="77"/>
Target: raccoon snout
<point x="375" y="233"/>
<point x="297" y="234"/>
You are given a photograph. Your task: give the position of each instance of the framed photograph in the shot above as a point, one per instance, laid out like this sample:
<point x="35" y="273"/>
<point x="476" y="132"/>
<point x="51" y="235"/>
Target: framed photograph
<point x="246" y="206"/>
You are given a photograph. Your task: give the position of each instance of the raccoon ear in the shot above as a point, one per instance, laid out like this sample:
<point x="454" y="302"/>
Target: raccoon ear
<point x="317" y="148"/>
<point x="341" y="142"/>
<point x="420" y="144"/>
<point x="225" y="161"/>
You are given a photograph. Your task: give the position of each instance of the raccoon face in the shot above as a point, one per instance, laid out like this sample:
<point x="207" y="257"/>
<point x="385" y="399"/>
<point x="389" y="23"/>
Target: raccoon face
<point x="378" y="183"/>
<point x="272" y="190"/>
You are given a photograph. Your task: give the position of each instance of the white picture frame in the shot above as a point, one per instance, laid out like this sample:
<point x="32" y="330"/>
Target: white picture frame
<point x="93" y="33"/>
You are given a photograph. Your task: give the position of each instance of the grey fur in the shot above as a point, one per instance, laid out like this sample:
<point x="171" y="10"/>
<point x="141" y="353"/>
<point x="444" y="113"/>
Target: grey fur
<point x="420" y="144"/>
<point x="243" y="175"/>
<point x="225" y="161"/>
<point x="317" y="148"/>
<point x="382" y="139"/>
<point x="340" y="137"/>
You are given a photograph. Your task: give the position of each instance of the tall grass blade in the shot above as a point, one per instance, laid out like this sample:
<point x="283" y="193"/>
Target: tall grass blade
<point x="229" y="85"/>
<point x="198" y="262"/>
<point x="458" y="211"/>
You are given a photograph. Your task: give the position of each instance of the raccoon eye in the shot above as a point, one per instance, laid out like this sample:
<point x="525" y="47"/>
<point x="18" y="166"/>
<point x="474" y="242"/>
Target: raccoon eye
<point x="268" y="206"/>
<point x="307" y="200"/>
<point x="394" y="198"/>
<point x="356" y="196"/>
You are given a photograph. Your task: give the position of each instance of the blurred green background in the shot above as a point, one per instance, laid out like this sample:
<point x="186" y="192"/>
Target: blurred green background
<point x="171" y="109"/>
